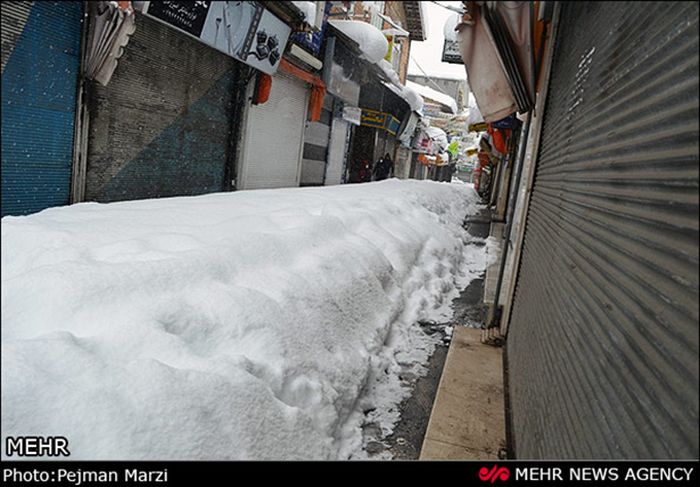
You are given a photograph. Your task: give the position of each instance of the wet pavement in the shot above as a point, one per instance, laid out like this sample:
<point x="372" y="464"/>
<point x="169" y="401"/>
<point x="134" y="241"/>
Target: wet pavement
<point x="407" y="438"/>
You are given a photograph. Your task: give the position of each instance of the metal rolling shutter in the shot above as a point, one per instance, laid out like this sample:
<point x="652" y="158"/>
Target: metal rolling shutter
<point x="275" y="135"/>
<point x="336" y="151"/>
<point x="40" y="63"/>
<point x="316" y="139"/>
<point x="161" y="126"/>
<point x="603" y="340"/>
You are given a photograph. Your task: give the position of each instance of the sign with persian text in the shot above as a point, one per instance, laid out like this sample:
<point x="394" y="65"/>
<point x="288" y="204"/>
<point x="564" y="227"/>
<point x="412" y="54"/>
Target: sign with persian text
<point x="451" y="53"/>
<point x="243" y="30"/>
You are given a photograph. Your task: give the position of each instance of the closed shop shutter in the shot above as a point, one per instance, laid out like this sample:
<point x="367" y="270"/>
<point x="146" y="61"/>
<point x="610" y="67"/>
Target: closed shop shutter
<point x="316" y="138"/>
<point x="40" y="63"/>
<point x="275" y="136"/>
<point x="161" y="127"/>
<point x="603" y="339"/>
<point x="337" y="151"/>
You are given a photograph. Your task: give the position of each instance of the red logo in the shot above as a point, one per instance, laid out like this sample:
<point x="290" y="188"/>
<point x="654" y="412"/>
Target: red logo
<point x="496" y="473"/>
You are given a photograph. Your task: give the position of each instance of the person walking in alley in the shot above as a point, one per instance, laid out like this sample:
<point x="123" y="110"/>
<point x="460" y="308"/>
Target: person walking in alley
<point x="384" y="168"/>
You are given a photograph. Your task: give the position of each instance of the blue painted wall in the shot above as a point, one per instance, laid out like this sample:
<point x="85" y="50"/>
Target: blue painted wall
<point x="39" y="85"/>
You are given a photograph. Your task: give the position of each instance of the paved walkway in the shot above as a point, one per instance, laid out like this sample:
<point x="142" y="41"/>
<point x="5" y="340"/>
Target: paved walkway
<point x="468" y="417"/>
<point x="408" y="436"/>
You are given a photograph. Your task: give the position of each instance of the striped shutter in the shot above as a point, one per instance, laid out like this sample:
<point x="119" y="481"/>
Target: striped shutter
<point x="337" y="150"/>
<point x="316" y="139"/>
<point x="40" y="63"/>
<point x="275" y="136"/>
<point x="162" y="125"/>
<point x="603" y="339"/>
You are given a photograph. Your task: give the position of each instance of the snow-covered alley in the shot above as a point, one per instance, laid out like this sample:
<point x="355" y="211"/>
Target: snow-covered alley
<point x="267" y="324"/>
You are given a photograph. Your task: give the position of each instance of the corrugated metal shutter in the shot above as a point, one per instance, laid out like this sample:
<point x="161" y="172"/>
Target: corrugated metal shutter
<point x="337" y="151"/>
<point x="40" y="63"/>
<point x="162" y="125"/>
<point x="603" y="340"/>
<point x="275" y="135"/>
<point x="316" y="139"/>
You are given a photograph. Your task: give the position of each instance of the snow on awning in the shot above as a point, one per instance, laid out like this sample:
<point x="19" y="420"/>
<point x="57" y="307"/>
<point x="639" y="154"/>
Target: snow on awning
<point x="371" y="41"/>
<point x="374" y="47"/>
<point x="431" y="94"/>
<point x="414" y="100"/>
<point x="437" y="135"/>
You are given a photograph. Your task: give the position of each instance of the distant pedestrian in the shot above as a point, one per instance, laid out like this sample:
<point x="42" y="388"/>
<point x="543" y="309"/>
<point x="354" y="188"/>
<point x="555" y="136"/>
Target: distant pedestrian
<point x="365" y="172"/>
<point x="384" y="168"/>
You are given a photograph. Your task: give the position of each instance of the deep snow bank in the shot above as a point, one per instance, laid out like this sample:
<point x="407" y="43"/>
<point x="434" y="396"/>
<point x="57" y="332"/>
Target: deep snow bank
<point x="250" y="325"/>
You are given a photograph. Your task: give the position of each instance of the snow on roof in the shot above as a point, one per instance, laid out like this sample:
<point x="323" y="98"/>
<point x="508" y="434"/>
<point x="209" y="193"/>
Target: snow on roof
<point x="374" y="46"/>
<point x="434" y="95"/>
<point x="414" y="100"/>
<point x="436" y="133"/>
<point x="372" y="42"/>
<point x="448" y="29"/>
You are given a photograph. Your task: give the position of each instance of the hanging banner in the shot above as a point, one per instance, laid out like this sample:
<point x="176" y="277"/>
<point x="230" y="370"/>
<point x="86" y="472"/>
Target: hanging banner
<point x="243" y="30"/>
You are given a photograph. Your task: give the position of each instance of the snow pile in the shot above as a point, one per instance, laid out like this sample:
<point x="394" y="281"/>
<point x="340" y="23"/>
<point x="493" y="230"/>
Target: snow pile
<point x="371" y="41"/>
<point x="250" y="325"/>
<point x="431" y="94"/>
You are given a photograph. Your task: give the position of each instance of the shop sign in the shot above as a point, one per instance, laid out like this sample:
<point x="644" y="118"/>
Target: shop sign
<point x="243" y="30"/>
<point x="392" y="124"/>
<point x="373" y="118"/>
<point x="380" y="120"/>
<point x="352" y="115"/>
<point x="451" y="53"/>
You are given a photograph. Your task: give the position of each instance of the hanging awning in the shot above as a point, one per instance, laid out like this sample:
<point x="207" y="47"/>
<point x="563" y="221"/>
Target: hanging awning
<point x="109" y="28"/>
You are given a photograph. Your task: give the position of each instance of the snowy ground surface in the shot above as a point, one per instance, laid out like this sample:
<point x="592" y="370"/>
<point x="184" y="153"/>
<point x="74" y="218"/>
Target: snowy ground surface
<point x="253" y="325"/>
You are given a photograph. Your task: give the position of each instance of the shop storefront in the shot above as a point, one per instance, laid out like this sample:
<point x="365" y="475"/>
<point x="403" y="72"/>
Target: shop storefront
<point x="170" y="120"/>
<point x="41" y="43"/>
